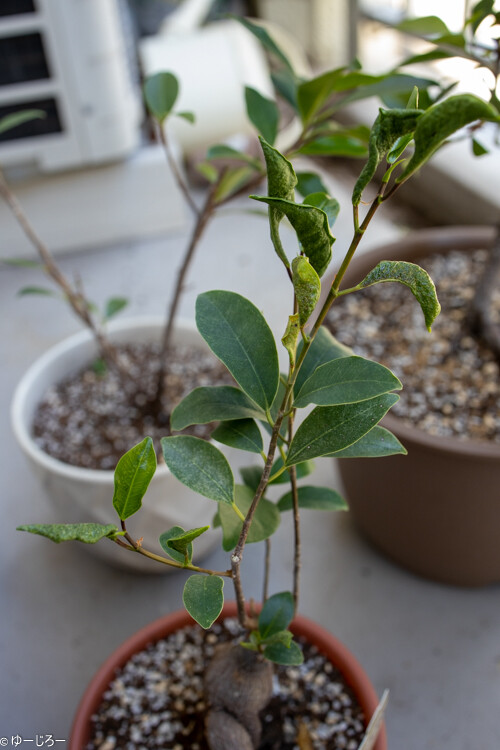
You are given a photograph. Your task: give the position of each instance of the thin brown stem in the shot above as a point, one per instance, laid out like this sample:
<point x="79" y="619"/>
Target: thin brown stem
<point x="75" y="298"/>
<point x="296" y="523"/>
<point x="134" y="546"/>
<point x="199" y="228"/>
<point x="175" y="170"/>
<point x="267" y="568"/>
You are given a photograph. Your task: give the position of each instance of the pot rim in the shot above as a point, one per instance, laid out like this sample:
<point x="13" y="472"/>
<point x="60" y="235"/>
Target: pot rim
<point x="334" y="649"/>
<point x="423" y="242"/>
<point x="21" y="430"/>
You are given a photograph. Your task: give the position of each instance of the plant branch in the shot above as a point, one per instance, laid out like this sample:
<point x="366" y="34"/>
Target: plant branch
<point x="267" y="568"/>
<point x="135" y="547"/>
<point x="175" y="170"/>
<point x="75" y="298"/>
<point x="296" y="523"/>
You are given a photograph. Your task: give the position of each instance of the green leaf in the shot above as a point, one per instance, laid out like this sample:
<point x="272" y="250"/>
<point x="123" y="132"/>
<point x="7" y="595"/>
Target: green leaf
<point x="285" y="637"/>
<point x="338" y="144"/>
<point x="479" y="12"/>
<point x="442" y="120"/>
<point x="308" y="183"/>
<point x="276" y="614"/>
<point x="233" y="179"/>
<point x="392" y="86"/>
<point x="314" y="498"/>
<point x="208" y="171"/>
<point x="266" y="40"/>
<point x="424" y="26"/>
<point x="178" y="544"/>
<point x="18" y="118"/>
<point x="173" y="533"/>
<point x="324" y="348"/>
<point x="200" y="466"/>
<point x="307" y="287"/>
<point x="346" y="381"/>
<point x="213" y="404"/>
<point x="388" y="128"/>
<point x="303" y="470"/>
<point x="265" y="521"/>
<point x="203" y="598"/>
<point x="378" y="442"/>
<point x="160" y="94"/>
<point x="221" y="151"/>
<point x="415" y="278"/>
<point x="37" y="290"/>
<point x="251" y="474"/>
<point x="114" y="306"/>
<point x="21" y="262"/>
<point x="312" y="229"/>
<point x="88" y="533"/>
<point x="329" y="205"/>
<point x="313" y="94"/>
<point x="240" y="433"/>
<point x="263" y="113"/>
<point x="285" y="83"/>
<point x="281" y="181"/>
<point x="133" y="473"/>
<point x="239" y="336"/>
<point x="188" y="116"/>
<point x="328" y="429"/>
<point x="478" y="149"/>
<point x="291" y="337"/>
<point x="280" y="654"/>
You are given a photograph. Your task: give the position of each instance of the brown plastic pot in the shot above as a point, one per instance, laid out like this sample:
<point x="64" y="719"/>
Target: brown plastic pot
<point x="335" y="651"/>
<point x="435" y="511"/>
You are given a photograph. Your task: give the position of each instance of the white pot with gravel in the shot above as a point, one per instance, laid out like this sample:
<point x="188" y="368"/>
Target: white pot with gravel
<point x="83" y="494"/>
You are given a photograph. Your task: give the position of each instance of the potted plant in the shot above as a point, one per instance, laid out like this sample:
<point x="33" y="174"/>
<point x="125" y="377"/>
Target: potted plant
<point x="349" y="395"/>
<point x="229" y="172"/>
<point x="438" y="515"/>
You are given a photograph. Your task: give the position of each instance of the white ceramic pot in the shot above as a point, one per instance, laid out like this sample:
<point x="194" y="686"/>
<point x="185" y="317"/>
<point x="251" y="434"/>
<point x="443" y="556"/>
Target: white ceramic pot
<point x="85" y="495"/>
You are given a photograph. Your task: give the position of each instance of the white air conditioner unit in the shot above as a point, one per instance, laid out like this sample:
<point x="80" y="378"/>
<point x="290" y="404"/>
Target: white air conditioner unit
<point x="73" y="60"/>
<point x="83" y="173"/>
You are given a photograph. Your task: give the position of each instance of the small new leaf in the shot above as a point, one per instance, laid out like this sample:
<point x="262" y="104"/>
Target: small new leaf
<point x="177" y="543"/>
<point x="160" y="94"/>
<point x="291" y="337"/>
<point x="415" y="278"/>
<point x="114" y="306"/>
<point x="279" y="653"/>
<point x="276" y="614"/>
<point x="133" y="473"/>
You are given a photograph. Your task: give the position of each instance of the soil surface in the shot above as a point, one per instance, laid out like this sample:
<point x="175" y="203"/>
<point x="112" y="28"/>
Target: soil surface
<point x="450" y="378"/>
<point x="157" y="700"/>
<point x="91" y="419"/>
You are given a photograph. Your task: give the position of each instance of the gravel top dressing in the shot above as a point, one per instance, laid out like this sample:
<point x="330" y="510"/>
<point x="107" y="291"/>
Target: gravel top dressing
<point x="451" y="380"/>
<point x="89" y="420"/>
<point x="157" y="700"/>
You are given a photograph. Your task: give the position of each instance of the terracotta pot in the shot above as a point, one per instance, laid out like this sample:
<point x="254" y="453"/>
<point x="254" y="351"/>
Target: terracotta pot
<point x="435" y="511"/>
<point x="335" y="651"/>
<point x="80" y="495"/>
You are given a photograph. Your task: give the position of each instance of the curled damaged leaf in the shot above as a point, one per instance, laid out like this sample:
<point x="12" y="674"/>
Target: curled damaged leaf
<point x="415" y="278"/>
<point x="291" y="337"/>
<point x="88" y="533"/>
<point x="281" y="182"/>
<point x="442" y="120"/>
<point x="307" y="287"/>
<point x="389" y="126"/>
<point x="312" y="229"/>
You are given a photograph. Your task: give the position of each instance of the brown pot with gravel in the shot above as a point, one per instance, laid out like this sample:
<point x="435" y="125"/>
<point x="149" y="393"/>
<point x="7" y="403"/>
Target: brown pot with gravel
<point x="326" y="703"/>
<point x="435" y="511"/>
